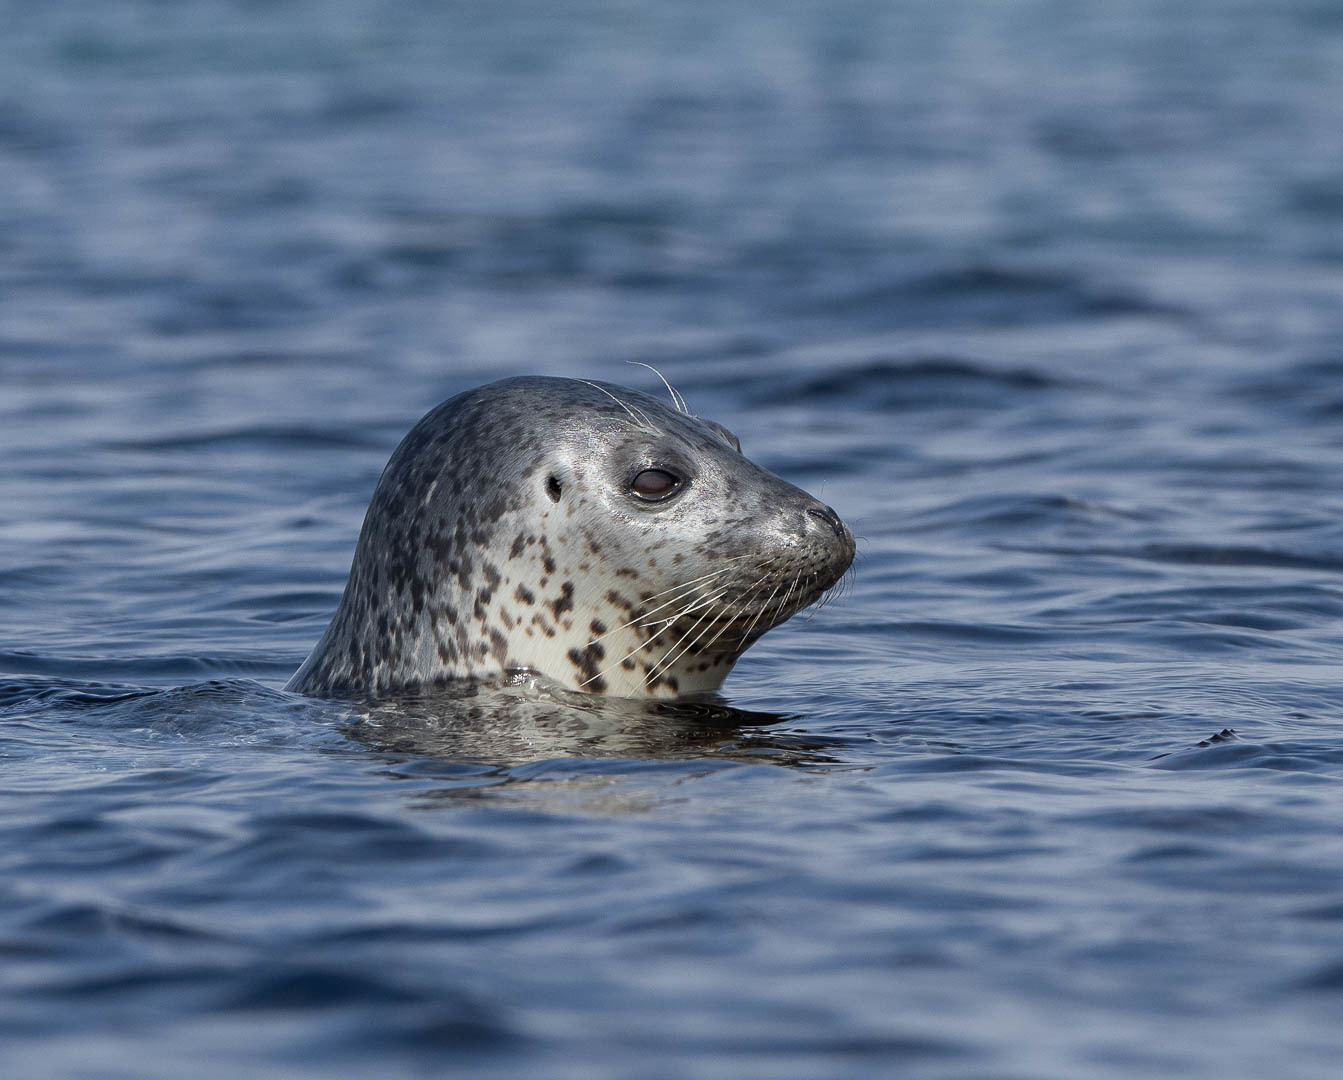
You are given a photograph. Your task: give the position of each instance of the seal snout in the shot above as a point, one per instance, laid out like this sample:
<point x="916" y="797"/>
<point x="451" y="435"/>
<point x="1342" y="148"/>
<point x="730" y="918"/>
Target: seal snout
<point x="828" y="530"/>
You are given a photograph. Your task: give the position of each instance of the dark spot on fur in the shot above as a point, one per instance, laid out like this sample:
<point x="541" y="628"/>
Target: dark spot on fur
<point x="524" y="595"/>
<point x="465" y="568"/>
<point x="588" y="661"/>
<point x="549" y="564"/>
<point x="518" y="545"/>
<point x="652" y="680"/>
<point x="565" y="601"/>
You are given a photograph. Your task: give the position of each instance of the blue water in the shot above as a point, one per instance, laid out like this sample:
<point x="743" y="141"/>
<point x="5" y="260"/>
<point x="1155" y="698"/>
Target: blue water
<point x="1046" y="299"/>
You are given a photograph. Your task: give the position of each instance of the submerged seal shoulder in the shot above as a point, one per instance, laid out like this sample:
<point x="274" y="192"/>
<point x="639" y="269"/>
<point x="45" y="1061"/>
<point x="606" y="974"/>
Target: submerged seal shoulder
<point x="580" y="530"/>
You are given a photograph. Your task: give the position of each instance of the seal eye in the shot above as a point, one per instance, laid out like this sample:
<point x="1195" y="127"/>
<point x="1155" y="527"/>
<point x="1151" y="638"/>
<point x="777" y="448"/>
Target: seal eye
<point x="654" y="485"/>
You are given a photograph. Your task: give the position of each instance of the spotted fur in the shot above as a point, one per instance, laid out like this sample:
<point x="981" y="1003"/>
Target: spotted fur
<point x="503" y="536"/>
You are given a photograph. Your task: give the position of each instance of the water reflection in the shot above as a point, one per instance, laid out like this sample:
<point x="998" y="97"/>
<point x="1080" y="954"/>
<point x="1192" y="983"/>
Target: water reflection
<point x="521" y="723"/>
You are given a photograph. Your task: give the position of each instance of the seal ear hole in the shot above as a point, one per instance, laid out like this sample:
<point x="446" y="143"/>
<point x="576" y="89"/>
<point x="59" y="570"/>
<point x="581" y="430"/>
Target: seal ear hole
<point x="553" y="488"/>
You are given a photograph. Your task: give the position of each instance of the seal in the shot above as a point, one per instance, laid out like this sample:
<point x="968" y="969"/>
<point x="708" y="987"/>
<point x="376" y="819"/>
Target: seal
<point x="576" y="530"/>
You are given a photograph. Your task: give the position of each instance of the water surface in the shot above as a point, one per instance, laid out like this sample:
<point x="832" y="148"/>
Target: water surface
<point x="1046" y="300"/>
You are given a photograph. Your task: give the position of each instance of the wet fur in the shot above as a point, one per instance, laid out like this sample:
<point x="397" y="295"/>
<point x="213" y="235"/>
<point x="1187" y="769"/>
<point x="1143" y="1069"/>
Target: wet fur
<point x="469" y="565"/>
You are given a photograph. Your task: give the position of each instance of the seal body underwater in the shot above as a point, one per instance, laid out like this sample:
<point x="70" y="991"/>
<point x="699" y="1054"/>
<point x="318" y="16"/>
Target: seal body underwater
<point x="578" y="530"/>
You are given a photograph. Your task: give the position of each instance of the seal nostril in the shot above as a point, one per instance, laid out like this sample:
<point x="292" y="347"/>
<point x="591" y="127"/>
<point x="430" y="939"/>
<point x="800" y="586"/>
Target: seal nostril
<point x="829" y="517"/>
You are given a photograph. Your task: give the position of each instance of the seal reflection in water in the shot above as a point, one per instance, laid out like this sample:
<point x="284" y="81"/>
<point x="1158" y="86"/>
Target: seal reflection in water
<point x="508" y="725"/>
<point x="577" y="530"/>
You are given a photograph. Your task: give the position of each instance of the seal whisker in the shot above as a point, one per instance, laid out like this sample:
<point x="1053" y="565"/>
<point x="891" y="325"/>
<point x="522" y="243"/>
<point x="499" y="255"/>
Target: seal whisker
<point x="667" y="624"/>
<point x="748" y="594"/>
<point x="696" y="604"/>
<point x="821" y="600"/>
<point x="702" y="601"/>
<point x="668" y="660"/>
<point x="727" y="624"/>
<point x="745" y="600"/>
<point x="839" y="589"/>
<point x="703" y="577"/>
<point x="628" y="656"/>
<point x="639" y="417"/>
<point x="683" y="591"/>
<point x="711" y="573"/>
<point x="643" y="620"/>
<point x="783" y="604"/>
<point x="830" y="595"/>
<point x="678" y="649"/>
<point x="677" y="399"/>
<point x="603" y="672"/>
<point x="762" y="610"/>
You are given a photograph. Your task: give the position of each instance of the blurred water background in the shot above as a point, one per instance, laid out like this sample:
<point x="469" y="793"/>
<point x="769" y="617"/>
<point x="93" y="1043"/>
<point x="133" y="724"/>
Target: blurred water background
<point x="1045" y="298"/>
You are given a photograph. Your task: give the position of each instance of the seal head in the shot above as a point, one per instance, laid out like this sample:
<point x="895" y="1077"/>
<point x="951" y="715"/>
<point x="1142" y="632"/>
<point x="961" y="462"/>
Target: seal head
<point x="578" y="530"/>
